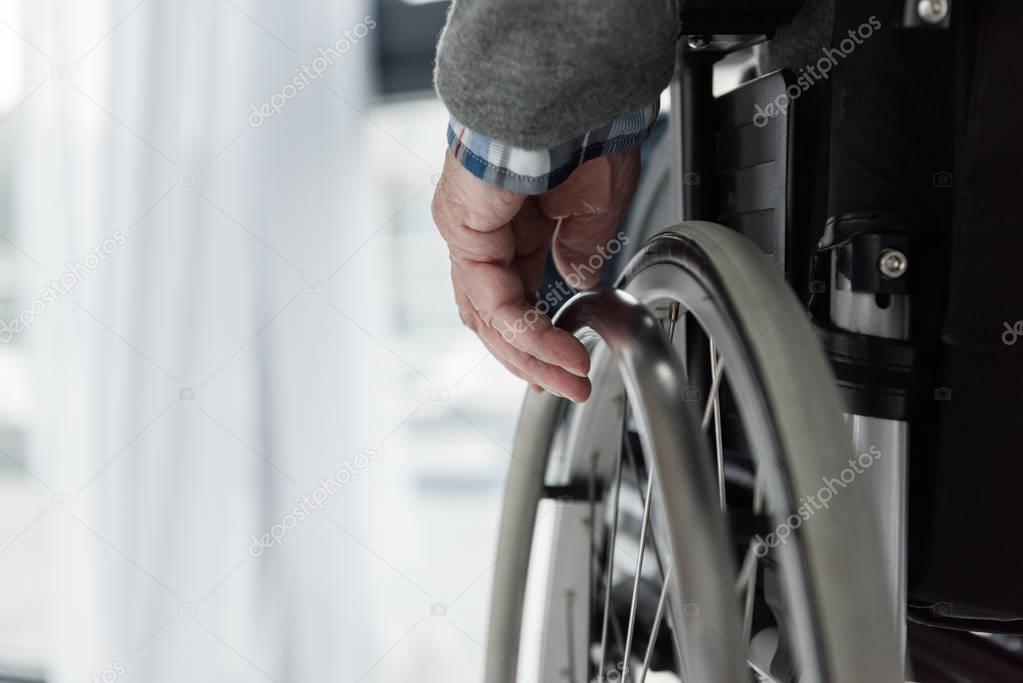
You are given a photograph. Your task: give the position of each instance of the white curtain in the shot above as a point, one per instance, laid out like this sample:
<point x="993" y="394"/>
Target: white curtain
<point x="194" y="383"/>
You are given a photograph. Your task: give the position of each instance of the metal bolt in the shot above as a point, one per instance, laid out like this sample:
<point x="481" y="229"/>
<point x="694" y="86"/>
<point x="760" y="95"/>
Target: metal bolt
<point x="932" y="11"/>
<point x="893" y="263"/>
<point x="698" y="42"/>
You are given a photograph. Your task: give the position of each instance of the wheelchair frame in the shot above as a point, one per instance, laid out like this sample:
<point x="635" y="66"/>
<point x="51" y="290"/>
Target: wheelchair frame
<point x="829" y="235"/>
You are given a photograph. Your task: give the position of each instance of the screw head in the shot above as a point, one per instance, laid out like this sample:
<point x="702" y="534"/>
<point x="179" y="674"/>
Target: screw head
<point x="893" y="263"/>
<point x="698" y="42"/>
<point x="932" y="11"/>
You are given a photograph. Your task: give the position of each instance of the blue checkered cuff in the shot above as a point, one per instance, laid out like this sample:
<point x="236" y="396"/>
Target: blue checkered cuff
<point x="534" y="171"/>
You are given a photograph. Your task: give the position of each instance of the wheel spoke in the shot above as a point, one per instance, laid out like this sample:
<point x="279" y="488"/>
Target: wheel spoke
<point x="746" y="583"/>
<point x="713" y="401"/>
<point x="611" y="545"/>
<point x="662" y="572"/>
<point x="655" y="629"/>
<point x="748" y="565"/>
<point x="751" y="578"/>
<point x="751" y="591"/>
<point x="593" y="560"/>
<point x="673" y="310"/>
<point x="570" y="633"/>
<point x="715" y="383"/>
<point x="639" y="572"/>
<point x="758" y="491"/>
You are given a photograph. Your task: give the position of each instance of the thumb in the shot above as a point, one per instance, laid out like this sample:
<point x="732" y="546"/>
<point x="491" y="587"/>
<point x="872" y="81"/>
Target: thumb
<point x="589" y="207"/>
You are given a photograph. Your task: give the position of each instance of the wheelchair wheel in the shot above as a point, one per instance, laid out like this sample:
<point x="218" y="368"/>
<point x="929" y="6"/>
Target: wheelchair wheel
<point x="666" y="530"/>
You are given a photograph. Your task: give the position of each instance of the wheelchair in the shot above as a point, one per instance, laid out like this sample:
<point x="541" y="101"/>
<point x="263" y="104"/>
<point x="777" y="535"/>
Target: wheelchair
<point x="733" y="501"/>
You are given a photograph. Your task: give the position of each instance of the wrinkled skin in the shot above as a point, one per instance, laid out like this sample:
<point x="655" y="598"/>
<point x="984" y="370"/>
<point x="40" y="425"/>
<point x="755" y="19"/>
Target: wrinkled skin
<point x="498" y="242"/>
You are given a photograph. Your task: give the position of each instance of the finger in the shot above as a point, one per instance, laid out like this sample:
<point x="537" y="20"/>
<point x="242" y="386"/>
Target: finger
<point x="550" y="377"/>
<point x="471" y="320"/>
<point x="496" y="292"/>
<point x="515" y="361"/>
<point x="532" y="232"/>
<point x="523" y="366"/>
<point x="466" y="313"/>
<point x="498" y="354"/>
<point x="519" y="326"/>
<point x="591" y="205"/>
<point x="600" y="185"/>
<point x="510" y="367"/>
<point x="466" y="209"/>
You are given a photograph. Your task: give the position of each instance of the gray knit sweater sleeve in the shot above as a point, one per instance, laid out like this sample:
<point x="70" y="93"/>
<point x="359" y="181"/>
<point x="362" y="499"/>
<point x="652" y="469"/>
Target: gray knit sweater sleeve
<point x="534" y="73"/>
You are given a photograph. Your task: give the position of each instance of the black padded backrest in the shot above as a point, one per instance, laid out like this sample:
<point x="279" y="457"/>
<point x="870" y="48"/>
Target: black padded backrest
<point x="754" y="164"/>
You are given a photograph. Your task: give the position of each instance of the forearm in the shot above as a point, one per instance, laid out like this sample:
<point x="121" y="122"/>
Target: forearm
<point x="536" y="74"/>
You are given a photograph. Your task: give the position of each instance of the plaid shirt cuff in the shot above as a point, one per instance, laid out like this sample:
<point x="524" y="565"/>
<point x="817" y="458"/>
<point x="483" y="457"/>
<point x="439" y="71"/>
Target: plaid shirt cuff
<point x="534" y="171"/>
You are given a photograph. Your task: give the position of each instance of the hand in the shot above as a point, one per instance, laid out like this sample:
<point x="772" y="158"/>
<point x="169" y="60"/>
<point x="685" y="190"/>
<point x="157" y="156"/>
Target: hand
<point x="498" y="242"/>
